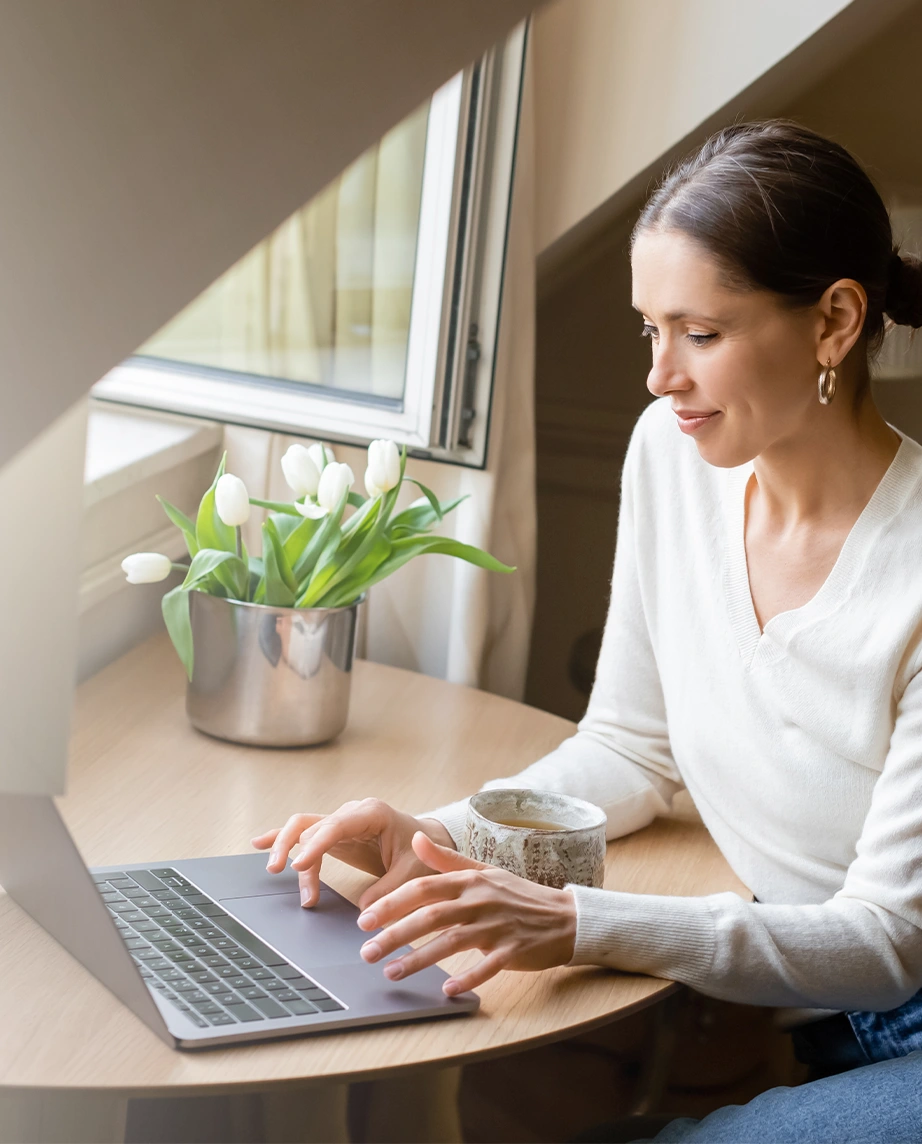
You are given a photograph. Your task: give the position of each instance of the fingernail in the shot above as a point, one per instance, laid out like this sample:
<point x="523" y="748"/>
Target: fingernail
<point x="371" y="951"/>
<point x="273" y="857"/>
<point x="367" y="920"/>
<point x="394" y="971"/>
<point x="305" y="897"/>
<point x="451" y="988"/>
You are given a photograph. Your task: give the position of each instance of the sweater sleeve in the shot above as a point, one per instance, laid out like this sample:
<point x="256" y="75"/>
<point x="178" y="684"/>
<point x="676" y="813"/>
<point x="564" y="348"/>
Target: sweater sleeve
<point x="620" y="757"/>
<point x="861" y="949"/>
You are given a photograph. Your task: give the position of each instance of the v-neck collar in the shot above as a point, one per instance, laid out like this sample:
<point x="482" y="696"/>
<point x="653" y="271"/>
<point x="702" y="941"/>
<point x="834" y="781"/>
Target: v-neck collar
<point x="761" y="646"/>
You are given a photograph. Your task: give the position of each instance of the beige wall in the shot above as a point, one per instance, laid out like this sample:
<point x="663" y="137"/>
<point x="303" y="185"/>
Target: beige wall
<point x="619" y="82"/>
<point x="592" y="365"/>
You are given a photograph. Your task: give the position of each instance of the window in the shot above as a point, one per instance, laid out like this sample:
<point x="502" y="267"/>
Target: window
<point x="373" y="310"/>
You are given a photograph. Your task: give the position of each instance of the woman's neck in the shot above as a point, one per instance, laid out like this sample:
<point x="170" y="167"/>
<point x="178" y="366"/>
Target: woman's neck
<point x="825" y="476"/>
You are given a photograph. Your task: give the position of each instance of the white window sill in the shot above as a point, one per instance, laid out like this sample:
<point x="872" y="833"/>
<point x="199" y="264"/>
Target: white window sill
<point x="131" y="456"/>
<point x="125" y="446"/>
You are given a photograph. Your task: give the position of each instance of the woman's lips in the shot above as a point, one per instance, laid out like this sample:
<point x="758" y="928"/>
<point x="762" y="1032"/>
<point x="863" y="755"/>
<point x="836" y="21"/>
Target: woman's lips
<point x="690" y="420"/>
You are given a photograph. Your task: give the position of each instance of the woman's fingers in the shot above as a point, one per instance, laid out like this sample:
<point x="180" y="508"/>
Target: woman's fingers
<point x="455" y="940"/>
<point x="264" y="841"/>
<point x="481" y="972"/>
<point x="441" y="858"/>
<point x="357" y="821"/>
<point x="286" y="838"/>
<point x="412" y="896"/>
<point x="428" y="919"/>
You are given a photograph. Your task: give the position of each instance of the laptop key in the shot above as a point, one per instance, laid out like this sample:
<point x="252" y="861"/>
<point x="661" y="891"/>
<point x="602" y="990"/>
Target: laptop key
<point x="147" y="879"/>
<point x="253" y="993"/>
<point x="237" y="982"/>
<point x="244" y="1013"/>
<point x="212" y="910"/>
<point x="216" y="961"/>
<point x="206" y="1007"/>
<point x="261" y="974"/>
<point x="248" y="963"/>
<point x="275" y="985"/>
<point x="300" y="1008"/>
<point x="227" y="998"/>
<point x="285" y="995"/>
<point x="186" y="986"/>
<point x="269" y="1008"/>
<point x="147" y="926"/>
<point x="288" y="972"/>
<point x="157" y="964"/>
<point x="328" y="1005"/>
<point x="221" y="1019"/>
<point x="250" y="941"/>
<point x="196" y="1019"/>
<point x="202" y="975"/>
<point x="166" y="871"/>
<point x="122" y="907"/>
<point x="227" y="970"/>
<point x="137" y="943"/>
<point x="187" y="913"/>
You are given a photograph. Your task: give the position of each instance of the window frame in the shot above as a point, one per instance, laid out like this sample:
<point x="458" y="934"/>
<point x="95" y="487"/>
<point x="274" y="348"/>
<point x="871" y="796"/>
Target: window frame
<point x="457" y="289"/>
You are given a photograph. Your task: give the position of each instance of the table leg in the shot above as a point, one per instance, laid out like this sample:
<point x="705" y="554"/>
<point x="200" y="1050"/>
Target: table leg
<point x="420" y="1109"/>
<point x="41" y="1117"/>
<point x="314" y="1114"/>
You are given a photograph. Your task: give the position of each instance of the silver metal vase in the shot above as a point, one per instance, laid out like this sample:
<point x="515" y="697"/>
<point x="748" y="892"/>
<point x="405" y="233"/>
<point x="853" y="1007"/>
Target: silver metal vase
<point x="270" y="677"/>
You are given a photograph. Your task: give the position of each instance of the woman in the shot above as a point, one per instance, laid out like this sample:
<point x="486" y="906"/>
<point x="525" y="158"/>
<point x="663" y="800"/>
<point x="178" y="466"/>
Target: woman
<point x="763" y="647"/>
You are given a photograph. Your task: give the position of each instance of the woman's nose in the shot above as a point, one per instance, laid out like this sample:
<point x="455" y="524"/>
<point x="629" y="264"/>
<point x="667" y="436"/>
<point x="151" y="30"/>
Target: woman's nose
<point x="667" y="376"/>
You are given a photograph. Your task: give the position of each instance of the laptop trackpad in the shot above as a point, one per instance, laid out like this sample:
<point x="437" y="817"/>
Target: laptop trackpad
<point x="325" y="934"/>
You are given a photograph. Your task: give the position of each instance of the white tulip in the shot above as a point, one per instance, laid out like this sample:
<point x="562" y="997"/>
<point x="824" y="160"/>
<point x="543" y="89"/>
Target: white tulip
<point x="334" y="481"/>
<point x="383" y="467"/>
<point x="370" y="487"/>
<point x="146" y="567"/>
<point x="232" y="501"/>
<point x="302" y="474"/>
<point x="309" y="508"/>
<point x="321" y="455"/>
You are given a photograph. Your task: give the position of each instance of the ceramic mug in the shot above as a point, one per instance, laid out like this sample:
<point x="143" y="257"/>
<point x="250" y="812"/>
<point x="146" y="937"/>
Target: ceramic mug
<point x="540" y="835"/>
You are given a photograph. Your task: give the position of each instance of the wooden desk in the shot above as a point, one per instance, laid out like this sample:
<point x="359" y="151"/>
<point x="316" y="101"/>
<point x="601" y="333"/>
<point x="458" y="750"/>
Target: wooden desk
<point x="144" y="786"/>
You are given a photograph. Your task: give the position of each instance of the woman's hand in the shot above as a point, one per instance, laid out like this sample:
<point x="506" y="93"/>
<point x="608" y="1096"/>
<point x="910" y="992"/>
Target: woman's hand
<point x="515" y="923"/>
<point x="368" y="834"/>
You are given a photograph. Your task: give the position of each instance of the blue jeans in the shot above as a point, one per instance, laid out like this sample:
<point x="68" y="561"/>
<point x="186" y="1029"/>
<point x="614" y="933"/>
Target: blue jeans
<point x="869" y="1091"/>
<point x="874" y="1104"/>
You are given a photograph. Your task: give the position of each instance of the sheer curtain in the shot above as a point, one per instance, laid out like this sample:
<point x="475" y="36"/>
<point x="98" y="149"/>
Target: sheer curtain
<point x="325" y="299"/>
<point x="439" y="615"/>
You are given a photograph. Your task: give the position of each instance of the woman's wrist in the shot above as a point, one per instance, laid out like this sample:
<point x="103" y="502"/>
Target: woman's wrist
<point x="437" y="831"/>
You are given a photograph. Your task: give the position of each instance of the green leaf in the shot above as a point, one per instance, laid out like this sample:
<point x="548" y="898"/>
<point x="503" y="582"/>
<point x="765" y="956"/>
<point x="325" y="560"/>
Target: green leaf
<point x="276" y="506"/>
<point x="208" y="562"/>
<point x="278" y="591"/>
<point x="352" y="586"/>
<point x="295" y="540"/>
<point x="306" y="562"/>
<point x="420" y="516"/>
<point x="429" y="495"/>
<point x="325" y="558"/>
<point x="403" y="551"/>
<point x="183" y="523"/>
<point x="210" y="529"/>
<point x="329" y="571"/>
<point x="175" y="607"/>
<point x="356" y="500"/>
<point x="355" y="521"/>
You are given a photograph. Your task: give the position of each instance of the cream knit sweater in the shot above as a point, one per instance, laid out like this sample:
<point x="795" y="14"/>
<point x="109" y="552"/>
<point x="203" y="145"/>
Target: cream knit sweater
<point x="801" y="746"/>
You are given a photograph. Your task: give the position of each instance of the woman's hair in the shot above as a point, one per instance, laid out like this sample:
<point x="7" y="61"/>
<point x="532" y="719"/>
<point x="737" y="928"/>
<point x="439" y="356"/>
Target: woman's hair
<point x="781" y="208"/>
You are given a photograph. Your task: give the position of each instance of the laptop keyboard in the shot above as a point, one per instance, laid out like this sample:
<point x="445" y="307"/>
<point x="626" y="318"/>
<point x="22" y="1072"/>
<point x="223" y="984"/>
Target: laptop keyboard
<point x="200" y="958"/>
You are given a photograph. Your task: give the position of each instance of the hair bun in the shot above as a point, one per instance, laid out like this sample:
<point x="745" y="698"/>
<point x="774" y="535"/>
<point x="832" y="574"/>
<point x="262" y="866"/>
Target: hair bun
<point x="904" y="290"/>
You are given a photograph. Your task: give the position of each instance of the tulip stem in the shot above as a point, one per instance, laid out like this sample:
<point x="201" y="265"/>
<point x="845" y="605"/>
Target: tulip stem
<point x="179" y="567"/>
<point x="239" y="544"/>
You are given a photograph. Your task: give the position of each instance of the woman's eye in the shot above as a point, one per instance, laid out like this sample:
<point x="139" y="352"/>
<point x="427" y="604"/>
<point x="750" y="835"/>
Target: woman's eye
<point x="649" y="331"/>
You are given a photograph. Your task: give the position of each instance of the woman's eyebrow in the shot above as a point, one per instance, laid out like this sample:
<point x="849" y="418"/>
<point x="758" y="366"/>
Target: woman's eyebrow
<point x="678" y="316"/>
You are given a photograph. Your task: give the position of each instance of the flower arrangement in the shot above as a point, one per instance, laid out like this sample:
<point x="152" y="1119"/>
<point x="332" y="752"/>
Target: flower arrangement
<point x="313" y="554"/>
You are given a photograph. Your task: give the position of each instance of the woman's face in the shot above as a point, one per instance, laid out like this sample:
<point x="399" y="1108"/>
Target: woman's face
<point x="741" y="362"/>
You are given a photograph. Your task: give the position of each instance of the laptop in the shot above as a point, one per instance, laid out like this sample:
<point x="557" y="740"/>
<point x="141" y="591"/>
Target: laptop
<point x="208" y="951"/>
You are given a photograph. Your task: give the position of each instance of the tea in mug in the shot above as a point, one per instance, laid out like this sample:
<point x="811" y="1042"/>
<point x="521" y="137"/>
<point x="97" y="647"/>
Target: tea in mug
<point x="531" y="824"/>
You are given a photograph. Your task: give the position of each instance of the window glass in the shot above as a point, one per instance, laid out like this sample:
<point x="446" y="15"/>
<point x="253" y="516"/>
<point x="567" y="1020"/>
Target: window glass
<point x="325" y="300"/>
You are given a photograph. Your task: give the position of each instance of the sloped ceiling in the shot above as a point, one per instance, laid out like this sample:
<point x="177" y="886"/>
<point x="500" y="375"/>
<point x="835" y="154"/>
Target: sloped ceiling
<point x="144" y="147"/>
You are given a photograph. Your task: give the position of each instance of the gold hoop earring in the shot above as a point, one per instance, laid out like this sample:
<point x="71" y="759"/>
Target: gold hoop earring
<point x="827" y="383"/>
